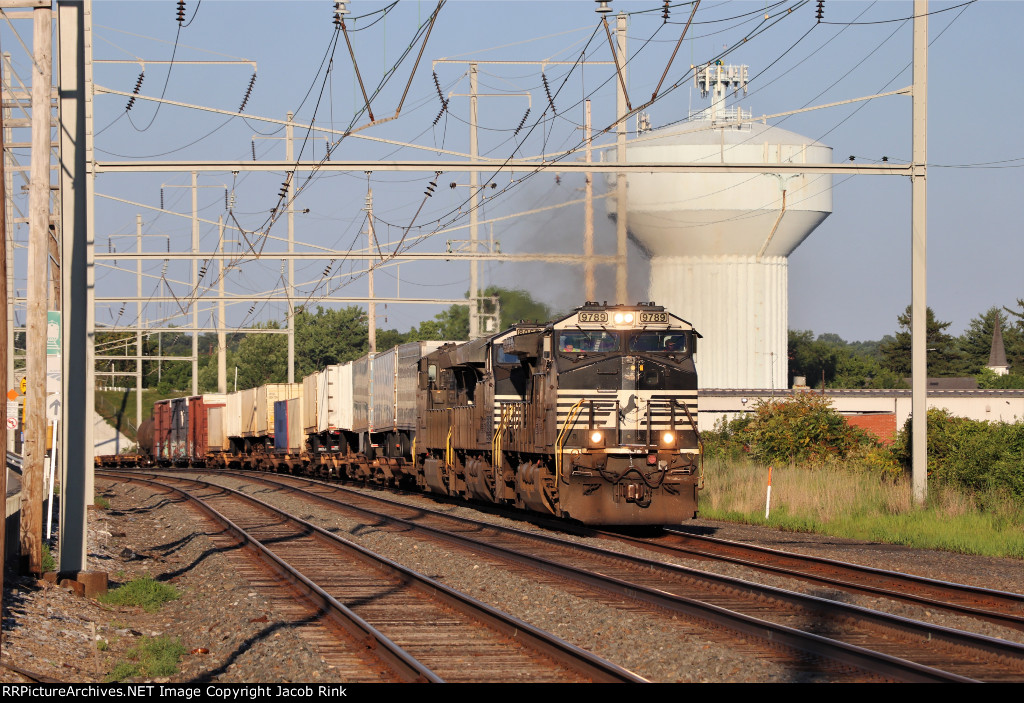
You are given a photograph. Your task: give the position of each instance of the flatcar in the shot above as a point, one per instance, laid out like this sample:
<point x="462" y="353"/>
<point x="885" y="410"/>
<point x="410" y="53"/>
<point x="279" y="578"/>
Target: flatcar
<point x="591" y="417"/>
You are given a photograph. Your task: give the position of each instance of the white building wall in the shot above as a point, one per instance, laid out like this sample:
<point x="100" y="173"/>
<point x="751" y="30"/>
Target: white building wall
<point x="989" y="405"/>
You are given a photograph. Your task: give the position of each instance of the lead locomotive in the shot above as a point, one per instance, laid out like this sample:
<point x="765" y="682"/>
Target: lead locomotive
<point x="591" y="417"/>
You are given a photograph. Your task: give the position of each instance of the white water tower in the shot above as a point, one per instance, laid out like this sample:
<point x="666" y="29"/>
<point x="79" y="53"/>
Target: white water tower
<point x="719" y="242"/>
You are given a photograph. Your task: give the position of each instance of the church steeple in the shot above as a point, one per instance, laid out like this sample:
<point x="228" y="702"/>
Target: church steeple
<point x="997" y="357"/>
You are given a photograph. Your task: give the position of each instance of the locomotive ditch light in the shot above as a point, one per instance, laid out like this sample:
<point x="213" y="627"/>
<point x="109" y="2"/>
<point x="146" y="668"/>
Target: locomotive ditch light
<point x="596" y="438"/>
<point x="668" y="439"/>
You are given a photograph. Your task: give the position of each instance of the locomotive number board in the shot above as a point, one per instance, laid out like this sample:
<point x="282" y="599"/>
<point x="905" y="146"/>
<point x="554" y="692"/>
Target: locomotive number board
<point x="597" y="317"/>
<point x="653" y="317"/>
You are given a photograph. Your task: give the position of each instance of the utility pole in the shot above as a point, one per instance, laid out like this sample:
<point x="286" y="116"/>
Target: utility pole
<point x="78" y="321"/>
<point x="620" y="156"/>
<point x="919" y="266"/>
<point x="222" y="345"/>
<point x="372" y="306"/>
<point x="588" y="212"/>
<point x="8" y="252"/>
<point x="474" y="202"/>
<point x="138" y="332"/>
<point x="4" y="348"/>
<point x="195" y="284"/>
<point x="35" y="318"/>
<point x="289" y="155"/>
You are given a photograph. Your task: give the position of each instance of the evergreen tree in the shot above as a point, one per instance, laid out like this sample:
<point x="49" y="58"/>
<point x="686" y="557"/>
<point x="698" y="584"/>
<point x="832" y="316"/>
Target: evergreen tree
<point x="944" y="356"/>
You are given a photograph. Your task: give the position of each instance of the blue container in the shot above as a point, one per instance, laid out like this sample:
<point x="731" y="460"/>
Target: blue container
<point x="281" y="426"/>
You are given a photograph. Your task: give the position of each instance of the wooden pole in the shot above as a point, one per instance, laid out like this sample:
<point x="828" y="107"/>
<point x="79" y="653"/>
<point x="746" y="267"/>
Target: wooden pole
<point x="3" y="330"/>
<point x="35" y="318"/>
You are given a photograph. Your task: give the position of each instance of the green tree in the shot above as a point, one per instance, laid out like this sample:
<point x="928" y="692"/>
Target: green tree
<point x="453" y="323"/>
<point x="329" y="337"/>
<point x="944" y="357"/>
<point x="976" y="341"/>
<point x="815" y="359"/>
<point x="262" y="358"/>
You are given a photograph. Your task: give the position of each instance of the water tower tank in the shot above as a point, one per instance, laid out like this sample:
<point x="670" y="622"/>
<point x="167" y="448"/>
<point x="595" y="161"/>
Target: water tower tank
<point x="719" y="242"/>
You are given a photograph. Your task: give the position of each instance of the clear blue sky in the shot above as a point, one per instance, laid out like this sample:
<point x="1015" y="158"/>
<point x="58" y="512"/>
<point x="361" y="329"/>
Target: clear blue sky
<point x="850" y="277"/>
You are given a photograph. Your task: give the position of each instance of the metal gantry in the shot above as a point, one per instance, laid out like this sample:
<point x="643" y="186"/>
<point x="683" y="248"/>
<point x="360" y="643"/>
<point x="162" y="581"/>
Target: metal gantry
<point x="79" y="168"/>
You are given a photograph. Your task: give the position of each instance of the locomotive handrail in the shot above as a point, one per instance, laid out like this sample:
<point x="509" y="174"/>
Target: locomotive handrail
<point x="696" y="433"/>
<point x="449" y="451"/>
<point x="570" y="419"/>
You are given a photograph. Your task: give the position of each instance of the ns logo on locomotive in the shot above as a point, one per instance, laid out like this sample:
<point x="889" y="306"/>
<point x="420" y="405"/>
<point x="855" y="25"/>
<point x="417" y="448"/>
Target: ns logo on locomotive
<point x="591" y="417"/>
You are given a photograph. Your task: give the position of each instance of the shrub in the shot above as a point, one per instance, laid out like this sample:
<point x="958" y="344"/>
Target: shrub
<point x="973" y="454"/>
<point x="803" y="428"/>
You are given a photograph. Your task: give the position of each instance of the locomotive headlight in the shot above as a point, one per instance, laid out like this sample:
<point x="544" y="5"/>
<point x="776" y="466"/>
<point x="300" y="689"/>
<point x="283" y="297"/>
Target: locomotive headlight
<point x="668" y="438"/>
<point x="623" y="318"/>
<point x="596" y="438"/>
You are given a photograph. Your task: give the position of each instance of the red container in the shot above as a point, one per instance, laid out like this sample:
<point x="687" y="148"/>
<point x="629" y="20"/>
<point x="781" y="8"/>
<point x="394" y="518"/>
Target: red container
<point x="162" y="431"/>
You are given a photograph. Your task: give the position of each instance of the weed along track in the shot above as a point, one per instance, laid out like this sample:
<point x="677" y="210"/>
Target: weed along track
<point x="416" y="629"/>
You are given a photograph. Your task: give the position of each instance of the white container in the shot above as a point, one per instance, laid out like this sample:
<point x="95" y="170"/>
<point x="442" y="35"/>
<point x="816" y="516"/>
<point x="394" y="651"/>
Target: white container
<point x="311" y="399"/>
<point x="334" y="401"/>
<point x="266" y="396"/>
<point x="248" y="417"/>
<point x="233" y="415"/>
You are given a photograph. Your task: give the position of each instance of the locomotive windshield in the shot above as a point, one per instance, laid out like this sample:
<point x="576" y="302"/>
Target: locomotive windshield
<point x="588" y="341"/>
<point x="601" y="342"/>
<point x="665" y="341"/>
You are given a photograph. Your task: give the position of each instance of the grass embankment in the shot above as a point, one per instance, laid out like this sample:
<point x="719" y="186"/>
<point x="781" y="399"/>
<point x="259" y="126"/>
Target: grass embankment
<point x="860" y="505"/>
<point x="118" y="409"/>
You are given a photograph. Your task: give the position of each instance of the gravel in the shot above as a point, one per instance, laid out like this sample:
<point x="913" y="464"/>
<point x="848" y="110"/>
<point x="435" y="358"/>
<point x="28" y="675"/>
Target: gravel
<point x="234" y="631"/>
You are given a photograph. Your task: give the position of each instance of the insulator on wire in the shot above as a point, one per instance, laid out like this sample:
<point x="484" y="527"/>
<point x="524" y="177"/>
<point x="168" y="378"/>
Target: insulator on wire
<point x="440" y="114"/>
<point x="664" y="12"/>
<point x="522" y="123"/>
<point x="138" y="86"/>
<point x="226" y="199"/>
<point x="437" y="85"/>
<point x="547" y="90"/>
<point x="820" y="12"/>
<point x="284" y="190"/>
<point x="248" y="92"/>
<point x="340" y="10"/>
<point x="161" y="198"/>
<point x="181" y="12"/>
<point x="202" y="271"/>
<point x="429" y="192"/>
<point x="253" y="150"/>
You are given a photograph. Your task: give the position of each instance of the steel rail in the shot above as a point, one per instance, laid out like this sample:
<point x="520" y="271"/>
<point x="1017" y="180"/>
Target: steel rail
<point x="402" y="663"/>
<point x="775" y="633"/>
<point x="761" y="558"/>
<point x="568" y="655"/>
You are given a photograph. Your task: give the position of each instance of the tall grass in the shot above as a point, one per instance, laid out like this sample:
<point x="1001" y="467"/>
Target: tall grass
<point x="861" y="505"/>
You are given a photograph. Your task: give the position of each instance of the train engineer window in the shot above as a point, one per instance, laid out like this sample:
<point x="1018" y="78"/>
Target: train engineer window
<point x="588" y="341"/>
<point x="672" y="341"/>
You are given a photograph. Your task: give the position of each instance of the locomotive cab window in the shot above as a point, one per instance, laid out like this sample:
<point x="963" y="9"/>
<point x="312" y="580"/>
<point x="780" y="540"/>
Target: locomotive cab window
<point x="666" y="342"/>
<point x="588" y="342"/>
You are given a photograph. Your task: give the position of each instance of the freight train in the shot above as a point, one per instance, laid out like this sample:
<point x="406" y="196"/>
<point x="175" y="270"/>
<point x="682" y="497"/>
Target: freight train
<point x="591" y="417"/>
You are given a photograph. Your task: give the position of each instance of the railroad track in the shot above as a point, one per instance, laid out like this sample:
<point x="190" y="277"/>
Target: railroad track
<point x="419" y="629"/>
<point x="998" y="607"/>
<point x="887" y="645"/>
